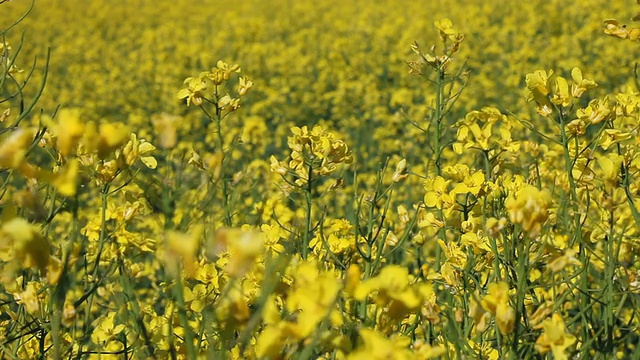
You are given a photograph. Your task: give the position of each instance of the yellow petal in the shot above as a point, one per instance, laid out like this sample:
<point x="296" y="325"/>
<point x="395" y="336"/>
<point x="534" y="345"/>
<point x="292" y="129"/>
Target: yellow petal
<point x="149" y="161"/>
<point x="66" y="180"/>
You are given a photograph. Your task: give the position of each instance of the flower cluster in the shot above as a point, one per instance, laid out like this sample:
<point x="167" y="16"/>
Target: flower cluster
<point x="337" y="208"/>
<point x="314" y="153"/>
<point x="206" y="87"/>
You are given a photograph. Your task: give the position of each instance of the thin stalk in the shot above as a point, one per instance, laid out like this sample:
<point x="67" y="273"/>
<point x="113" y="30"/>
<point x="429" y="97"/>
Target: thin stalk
<point x="521" y="289"/>
<point x="217" y="120"/>
<point x="438" y="116"/>
<point x="60" y="290"/>
<point x="129" y="293"/>
<point x="576" y="231"/>
<point x="104" y="194"/>
<point x="309" y="204"/>
<point x="610" y="265"/>
<point x="178" y="293"/>
<point x="225" y="185"/>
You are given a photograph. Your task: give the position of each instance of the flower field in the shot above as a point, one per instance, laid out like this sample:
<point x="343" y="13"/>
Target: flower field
<point x="284" y="179"/>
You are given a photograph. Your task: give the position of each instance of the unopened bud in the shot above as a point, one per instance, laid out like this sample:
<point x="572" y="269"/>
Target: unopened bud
<point x="401" y="171"/>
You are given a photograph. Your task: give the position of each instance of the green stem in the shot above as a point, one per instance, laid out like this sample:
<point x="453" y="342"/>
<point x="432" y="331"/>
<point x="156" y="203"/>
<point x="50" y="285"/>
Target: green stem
<point x="178" y="293"/>
<point x="225" y="185"/>
<point x="60" y="290"/>
<point x="438" y="116"/>
<point x="610" y="266"/>
<point x="103" y="227"/>
<point x="104" y="194"/>
<point x="576" y="231"/>
<point x="521" y="290"/>
<point x="573" y="199"/>
<point x="309" y="203"/>
<point x="129" y="294"/>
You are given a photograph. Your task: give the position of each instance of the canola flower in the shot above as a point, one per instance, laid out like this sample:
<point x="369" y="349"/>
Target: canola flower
<point x="273" y="184"/>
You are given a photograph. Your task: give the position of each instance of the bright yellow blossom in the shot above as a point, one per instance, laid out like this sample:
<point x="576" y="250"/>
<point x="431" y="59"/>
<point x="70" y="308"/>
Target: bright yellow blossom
<point x="391" y="289"/>
<point x="378" y="347"/>
<point x="496" y="302"/>
<point x="554" y="338"/>
<point x="529" y="207"/>
<point x="194" y="90"/>
<point x="138" y="149"/>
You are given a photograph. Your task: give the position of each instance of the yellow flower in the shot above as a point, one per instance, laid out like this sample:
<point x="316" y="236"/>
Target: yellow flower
<point x="415" y="67"/>
<point x="561" y="95"/>
<point x="352" y="279"/>
<point x="273" y="237"/>
<point x="554" y="338"/>
<point x="138" y="149"/>
<point x="538" y="88"/>
<point x="379" y="347"/>
<point x="627" y="103"/>
<point x="14" y="148"/>
<point x="538" y="83"/>
<point x="6" y="61"/>
<point x="270" y="341"/>
<point x="196" y="160"/>
<point x="451" y="274"/>
<point x="611" y="137"/>
<point x="228" y="103"/>
<point x="5" y="115"/>
<point x="92" y="147"/>
<point x="596" y="112"/>
<point x="110" y="137"/>
<point x="29" y="298"/>
<point x="195" y="297"/>
<point x="194" y="91"/>
<point x="477" y="241"/>
<point x="242" y="245"/>
<point x="106" y="330"/>
<point x="66" y="178"/>
<point x="471" y="184"/>
<point x="480" y="316"/>
<point x="226" y="69"/>
<point x="401" y="171"/>
<point x="614" y="28"/>
<point x="181" y="247"/>
<point x="106" y="172"/>
<point x="244" y="84"/>
<point x="165" y="126"/>
<point x="339" y="238"/>
<point x="561" y="260"/>
<point x="453" y="254"/>
<point x="208" y="274"/>
<point x="580" y="84"/>
<point x="68" y="130"/>
<point x="445" y="26"/>
<point x="68" y="314"/>
<point x="505" y="318"/>
<point x="215" y="164"/>
<point x="609" y="170"/>
<point x="312" y="297"/>
<point x="496" y="302"/>
<point x="23" y="244"/>
<point x="529" y="207"/>
<point x="392" y="289"/>
<point x="337" y="244"/>
<point x="316" y="150"/>
<point x="277" y="167"/>
<point x="448" y="33"/>
<point x="437" y="192"/>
